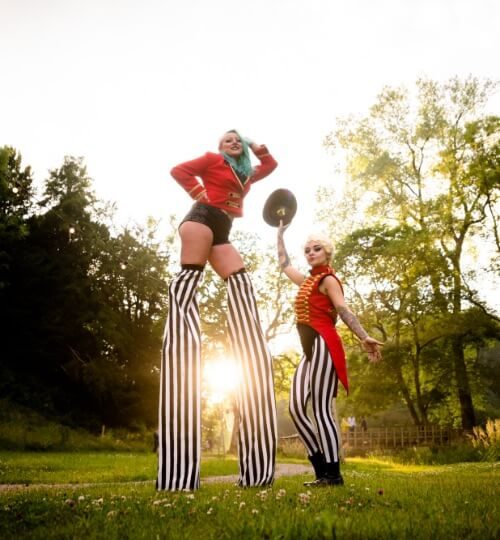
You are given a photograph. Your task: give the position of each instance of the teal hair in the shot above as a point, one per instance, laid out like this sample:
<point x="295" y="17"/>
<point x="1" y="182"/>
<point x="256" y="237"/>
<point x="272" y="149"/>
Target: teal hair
<point x="242" y="164"/>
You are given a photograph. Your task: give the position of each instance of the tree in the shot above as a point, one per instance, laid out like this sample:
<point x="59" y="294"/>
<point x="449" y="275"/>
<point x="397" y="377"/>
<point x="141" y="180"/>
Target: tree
<point x="434" y="168"/>
<point x="83" y="311"/>
<point x="16" y="202"/>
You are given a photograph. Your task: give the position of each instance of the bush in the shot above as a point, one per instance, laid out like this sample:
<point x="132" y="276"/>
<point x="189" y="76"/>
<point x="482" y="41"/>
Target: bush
<point x="426" y="455"/>
<point x="487" y="440"/>
<point x="291" y="447"/>
<point x="23" y="429"/>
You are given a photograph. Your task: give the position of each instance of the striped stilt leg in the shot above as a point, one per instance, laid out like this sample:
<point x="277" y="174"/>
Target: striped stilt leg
<point x="323" y="383"/>
<point x="316" y="380"/>
<point x="179" y="429"/>
<point x="257" y="437"/>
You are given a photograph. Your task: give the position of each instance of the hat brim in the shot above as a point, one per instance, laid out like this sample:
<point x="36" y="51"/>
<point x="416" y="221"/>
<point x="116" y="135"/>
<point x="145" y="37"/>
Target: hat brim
<point x="281" y="205"/>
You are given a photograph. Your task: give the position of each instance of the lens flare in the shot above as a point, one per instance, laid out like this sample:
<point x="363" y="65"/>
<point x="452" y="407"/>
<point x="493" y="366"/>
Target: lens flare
<point x="221" y="378"/>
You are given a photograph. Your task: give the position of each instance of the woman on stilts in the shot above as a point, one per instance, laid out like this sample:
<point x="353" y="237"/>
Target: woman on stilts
<point x="218" y="182"/>
<point x="319" y="302"/>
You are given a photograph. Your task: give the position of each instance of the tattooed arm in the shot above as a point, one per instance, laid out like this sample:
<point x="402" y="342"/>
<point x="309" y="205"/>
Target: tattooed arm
<point x="352" y="322"/>
<point x="330" y="286"/>
<point x="284" y="260"/>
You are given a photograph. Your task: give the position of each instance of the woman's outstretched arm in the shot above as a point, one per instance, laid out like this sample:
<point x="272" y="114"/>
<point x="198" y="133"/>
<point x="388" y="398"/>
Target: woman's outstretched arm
<point x="334" y="291"/>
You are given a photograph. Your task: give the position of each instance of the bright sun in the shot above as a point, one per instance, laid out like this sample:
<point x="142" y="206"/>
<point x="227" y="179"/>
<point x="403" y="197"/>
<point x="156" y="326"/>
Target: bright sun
<point x="221" y="377"/>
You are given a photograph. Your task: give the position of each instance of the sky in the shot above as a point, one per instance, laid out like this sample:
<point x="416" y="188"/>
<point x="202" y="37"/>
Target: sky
<point x="137" y="86"/>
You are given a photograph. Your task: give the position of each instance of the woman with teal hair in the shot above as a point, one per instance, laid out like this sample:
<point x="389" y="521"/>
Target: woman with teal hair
<point x="218" y="183"/>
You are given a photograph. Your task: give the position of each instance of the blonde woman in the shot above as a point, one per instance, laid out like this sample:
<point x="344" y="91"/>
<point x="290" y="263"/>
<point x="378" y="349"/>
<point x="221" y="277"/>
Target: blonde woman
<point x="318" y="304"/>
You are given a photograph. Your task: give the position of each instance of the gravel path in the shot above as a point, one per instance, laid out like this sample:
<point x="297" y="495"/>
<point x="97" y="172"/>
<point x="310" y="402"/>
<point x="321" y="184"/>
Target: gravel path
<point x="282" y="469"/>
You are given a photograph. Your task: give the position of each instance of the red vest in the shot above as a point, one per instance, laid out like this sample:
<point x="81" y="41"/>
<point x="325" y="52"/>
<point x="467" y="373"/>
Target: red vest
<point x="316" y="310"/>
<point x="218" y="180"/>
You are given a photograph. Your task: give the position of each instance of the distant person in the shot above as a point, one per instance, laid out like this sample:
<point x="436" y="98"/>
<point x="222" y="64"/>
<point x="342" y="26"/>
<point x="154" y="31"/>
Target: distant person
<point x="318" y="303"/>
<point x="218" y="183"/>
<point x="351" y="422"/>
<point x="364" y="425"/>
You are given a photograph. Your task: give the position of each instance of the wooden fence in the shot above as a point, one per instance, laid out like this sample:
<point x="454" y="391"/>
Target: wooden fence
<point x="393" y="438"/>
<point x="401" y="437"/>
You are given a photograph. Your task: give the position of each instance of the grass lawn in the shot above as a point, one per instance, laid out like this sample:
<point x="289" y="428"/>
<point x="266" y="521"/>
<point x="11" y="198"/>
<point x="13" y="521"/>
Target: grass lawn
<point x="379" y="500"/>
<point x="101" y="467"/>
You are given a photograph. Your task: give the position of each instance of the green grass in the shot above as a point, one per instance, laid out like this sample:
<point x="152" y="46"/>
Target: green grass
<point x="85" y="467"/>
<point x="379" y="500"/>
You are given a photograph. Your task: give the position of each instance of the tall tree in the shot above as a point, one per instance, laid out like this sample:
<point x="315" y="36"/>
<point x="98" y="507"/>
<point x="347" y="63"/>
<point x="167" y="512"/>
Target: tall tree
<point x="16" y="203"/>
<point x="430" y="163"/>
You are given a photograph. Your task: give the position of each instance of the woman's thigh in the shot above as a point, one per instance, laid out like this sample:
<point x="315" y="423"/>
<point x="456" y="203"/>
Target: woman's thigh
<point x="196" y="242"/>
<point x="225" y="260"/>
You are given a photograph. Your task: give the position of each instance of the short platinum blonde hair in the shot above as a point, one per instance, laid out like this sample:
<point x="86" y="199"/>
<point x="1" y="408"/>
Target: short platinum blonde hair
<point x="323" y="240"/>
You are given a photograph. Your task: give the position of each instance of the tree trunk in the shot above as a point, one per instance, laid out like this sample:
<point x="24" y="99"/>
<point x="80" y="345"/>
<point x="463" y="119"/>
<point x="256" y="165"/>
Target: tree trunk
<point x="461" y="376"/>
<point x="407" y="397"/>
<point x="462" y="380"/>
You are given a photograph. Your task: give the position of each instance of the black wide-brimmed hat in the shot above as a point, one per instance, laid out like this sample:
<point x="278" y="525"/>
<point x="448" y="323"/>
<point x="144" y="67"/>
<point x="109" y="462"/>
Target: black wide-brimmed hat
<point x="281" y="205"/>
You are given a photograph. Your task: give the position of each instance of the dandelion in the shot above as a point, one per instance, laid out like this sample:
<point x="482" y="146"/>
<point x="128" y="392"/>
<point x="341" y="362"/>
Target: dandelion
<point x="81" y="498"/>
<point x="262" y="495"/>
<point x="304" y="498"/>
<point x="69" y="502"/>
<point x="242" y="505"/>
<point x="255" y="511"/>
<point x="190" y="496"/>
<point x="214" y="498"/>
<point x="209" y="511"/>
<point x="281" y="493"/>
<point x="111" y="514"/>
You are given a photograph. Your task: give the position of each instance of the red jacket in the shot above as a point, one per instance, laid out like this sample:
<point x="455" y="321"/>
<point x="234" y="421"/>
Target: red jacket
<point x="219" y="183"/>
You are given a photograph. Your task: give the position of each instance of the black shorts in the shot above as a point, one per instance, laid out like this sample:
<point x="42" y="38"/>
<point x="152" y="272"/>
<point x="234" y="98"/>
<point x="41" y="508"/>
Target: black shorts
<point x="216" y="220"/>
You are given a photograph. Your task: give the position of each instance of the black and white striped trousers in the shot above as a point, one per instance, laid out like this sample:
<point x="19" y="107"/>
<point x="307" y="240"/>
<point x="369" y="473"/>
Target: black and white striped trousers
<point x="316" y="379"/>
<point x="179" y="429"/>
<point x="257" y="437"/>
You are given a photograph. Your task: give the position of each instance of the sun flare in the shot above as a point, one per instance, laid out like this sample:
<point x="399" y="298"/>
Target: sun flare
<point x="221" y="378"/>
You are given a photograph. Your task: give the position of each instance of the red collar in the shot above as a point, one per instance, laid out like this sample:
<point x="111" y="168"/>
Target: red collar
<point x="320" y="269"/>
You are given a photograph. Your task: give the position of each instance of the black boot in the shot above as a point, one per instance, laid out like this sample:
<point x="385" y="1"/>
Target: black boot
<point x="332" y="476"/>
<point x="318" y="462"/>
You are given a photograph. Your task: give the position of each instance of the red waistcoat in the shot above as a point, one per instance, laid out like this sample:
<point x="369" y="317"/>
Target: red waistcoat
<point x="316" y="310"/>
<point x="218" y="180"/>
